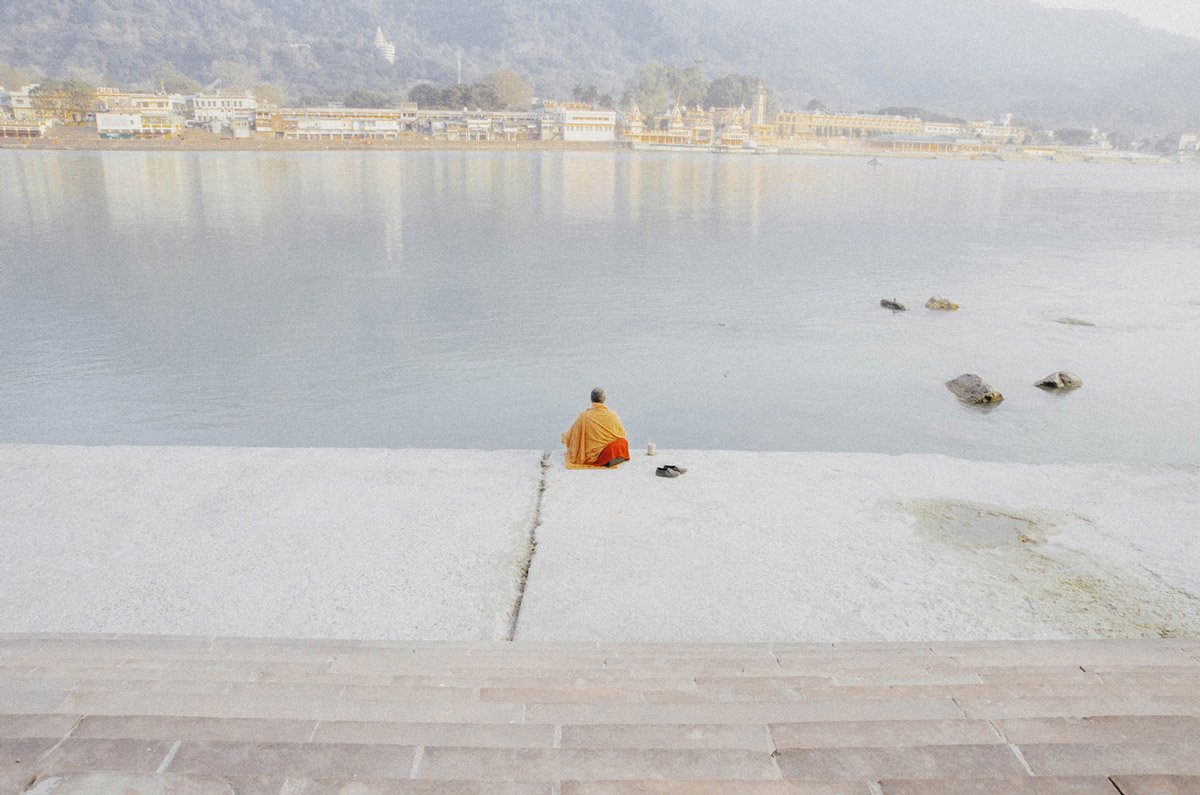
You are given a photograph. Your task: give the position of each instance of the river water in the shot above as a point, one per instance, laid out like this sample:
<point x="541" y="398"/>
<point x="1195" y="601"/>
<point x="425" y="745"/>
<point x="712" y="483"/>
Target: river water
<point x="471" y="299"/>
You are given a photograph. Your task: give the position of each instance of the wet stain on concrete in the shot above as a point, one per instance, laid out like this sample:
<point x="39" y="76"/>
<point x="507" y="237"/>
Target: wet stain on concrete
<point x="1011" y="555"/>
<point x="978" y="526"/>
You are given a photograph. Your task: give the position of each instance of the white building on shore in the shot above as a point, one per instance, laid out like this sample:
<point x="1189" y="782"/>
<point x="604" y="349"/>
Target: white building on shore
<point x="223" y="108"/>
<point x="137" y="125"/>
<point x="17" y="103"/>
<point x="330" y="124"/>
<point x="579" y="122"/>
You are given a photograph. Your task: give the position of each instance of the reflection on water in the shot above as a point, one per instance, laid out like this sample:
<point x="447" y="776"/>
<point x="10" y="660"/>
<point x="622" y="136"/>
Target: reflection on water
<point x="472" y="299"/>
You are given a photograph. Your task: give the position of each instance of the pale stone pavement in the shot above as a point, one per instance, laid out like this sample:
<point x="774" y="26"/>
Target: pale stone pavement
<point x="146" y="714"/>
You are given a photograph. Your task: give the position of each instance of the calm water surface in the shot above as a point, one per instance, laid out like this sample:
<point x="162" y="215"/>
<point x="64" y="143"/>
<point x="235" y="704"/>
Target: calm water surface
<point x="472" y="299"/>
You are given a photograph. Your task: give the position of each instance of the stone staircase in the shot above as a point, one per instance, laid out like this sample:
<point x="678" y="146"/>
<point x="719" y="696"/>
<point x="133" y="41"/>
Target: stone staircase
<point x="138" y="714"/>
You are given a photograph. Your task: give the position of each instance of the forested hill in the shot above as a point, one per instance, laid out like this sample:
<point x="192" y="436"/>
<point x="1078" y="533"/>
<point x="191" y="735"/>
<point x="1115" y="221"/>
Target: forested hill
<point x="966" y="57"/>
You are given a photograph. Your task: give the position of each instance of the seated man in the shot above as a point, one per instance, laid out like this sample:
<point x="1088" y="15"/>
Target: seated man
<point x="597" y="438"/>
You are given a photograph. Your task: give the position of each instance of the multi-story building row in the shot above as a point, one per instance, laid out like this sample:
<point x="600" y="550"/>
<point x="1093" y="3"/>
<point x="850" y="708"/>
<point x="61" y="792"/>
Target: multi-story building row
<point x="828" y="124"/>
<point x="752" y="128"/>
<point x="118" y="113"/>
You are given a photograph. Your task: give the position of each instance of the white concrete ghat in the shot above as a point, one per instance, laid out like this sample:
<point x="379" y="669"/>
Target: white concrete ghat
<point x="411" y="544"/>
<point x="395" y="544"/>
<point x="823" y="547"/>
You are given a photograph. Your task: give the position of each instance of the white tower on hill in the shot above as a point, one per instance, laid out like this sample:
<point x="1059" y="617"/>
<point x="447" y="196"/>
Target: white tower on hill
<point x="384" y="48"/>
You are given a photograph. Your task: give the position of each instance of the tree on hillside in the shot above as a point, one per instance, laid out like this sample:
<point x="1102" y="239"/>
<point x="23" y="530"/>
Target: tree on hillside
<point x="12" y="77"/>
<point x="513" y="92"/>
<point x="235" y="75"/>
<point x="66" y="100"/>
<point x="649" y="88"/>
<point x="1160" y="144"/>
<point x="587" y="94"/>
<point x="1025" y="123"/>
<point x="590" y="95"/>
<point x="816" y="106"/>
<point x="1072" y="136"/>
<point x="358" y="98"/>
<point x="1120" y="140"/>
<point x="732" y="91"/>
<point x="473" y="96"/>
<point x="167" y="78"/>
<point x="687" y="84"/>
<point x="919" y="113"/>
<point x="268" y="94"/>
<point x="425" y="95"/>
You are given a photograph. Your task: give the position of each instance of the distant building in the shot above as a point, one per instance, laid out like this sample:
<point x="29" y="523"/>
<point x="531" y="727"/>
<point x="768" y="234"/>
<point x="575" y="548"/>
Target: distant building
<point x="999" y="133"/>
<point x="515" y="125"/>
<point x="61" y="105"/>
<point x="577" y="121"/>
<point x="758" y="117"/>
<point x="945" y="128"/>
<point x="828" y="124"/>
<point x="137" y="125"/>
<point x="17" y="103"/>
<point x="218" y="110"/>
<point x="147" y="115"/>
<point x="1189" y="143"/>
<point x="25" y="128"/>
<point x="723" y="128"/>
<point x="147" y="103"/>
<point x="931" y="144"/>
<point x="340" y="124"/>
<point x="384" y="48"/>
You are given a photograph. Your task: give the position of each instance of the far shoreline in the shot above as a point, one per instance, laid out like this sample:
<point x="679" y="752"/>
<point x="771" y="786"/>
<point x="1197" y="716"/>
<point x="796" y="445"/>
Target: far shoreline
<point x="80" y="139"/>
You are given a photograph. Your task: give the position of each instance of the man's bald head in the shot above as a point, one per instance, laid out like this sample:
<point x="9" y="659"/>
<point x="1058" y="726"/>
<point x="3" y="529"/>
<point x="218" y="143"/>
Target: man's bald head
<point x="597" y="395"/>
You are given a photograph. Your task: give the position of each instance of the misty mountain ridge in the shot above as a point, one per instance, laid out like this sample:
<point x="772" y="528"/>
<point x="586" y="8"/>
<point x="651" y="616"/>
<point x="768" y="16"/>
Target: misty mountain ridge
<point x="972" y="58"/>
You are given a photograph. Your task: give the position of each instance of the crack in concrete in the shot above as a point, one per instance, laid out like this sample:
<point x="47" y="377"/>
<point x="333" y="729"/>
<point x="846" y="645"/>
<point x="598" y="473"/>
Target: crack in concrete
<point x="514" y="612"/>
<point x="169" y="758"/>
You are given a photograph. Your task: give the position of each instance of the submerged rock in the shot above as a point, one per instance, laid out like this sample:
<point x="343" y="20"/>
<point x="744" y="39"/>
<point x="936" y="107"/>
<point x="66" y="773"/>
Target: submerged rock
<point x="941" y="304"/>
<point x="970" y="388"/>
<point x="894" y="305"/>
<point x="1073" y="321"/>
<point x="1060" y="381"/>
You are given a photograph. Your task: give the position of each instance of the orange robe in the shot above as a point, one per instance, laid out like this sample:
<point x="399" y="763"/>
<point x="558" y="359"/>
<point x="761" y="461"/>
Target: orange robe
<point x="595" y="438"/>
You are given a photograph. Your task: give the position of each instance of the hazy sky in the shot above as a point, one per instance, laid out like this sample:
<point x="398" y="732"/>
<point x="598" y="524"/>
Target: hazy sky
<point x="1177" y="16"/>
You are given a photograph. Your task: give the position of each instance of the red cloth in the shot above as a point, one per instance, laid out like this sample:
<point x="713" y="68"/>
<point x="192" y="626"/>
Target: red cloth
<point x="617" y="448"/>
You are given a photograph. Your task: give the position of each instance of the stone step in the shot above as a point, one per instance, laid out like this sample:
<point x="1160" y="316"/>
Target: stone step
<point x="177" y="784"/>
<point x="642" y="660"/>
<point x="1046" y="785"/>
<point x="781" y="736"/>
<point x="1021" y="717"/>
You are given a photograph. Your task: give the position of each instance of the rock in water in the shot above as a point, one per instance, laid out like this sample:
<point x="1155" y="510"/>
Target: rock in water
<point x="1073" y="321"/>
<point x="969" y="388"/>
<point x="941" y="304"/>
<point x="893" y="305"/>
<point x="1060" y="381"/>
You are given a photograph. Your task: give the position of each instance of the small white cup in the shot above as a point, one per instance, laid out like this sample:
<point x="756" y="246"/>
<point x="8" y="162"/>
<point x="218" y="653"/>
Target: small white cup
<point x="650" y="448"/>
